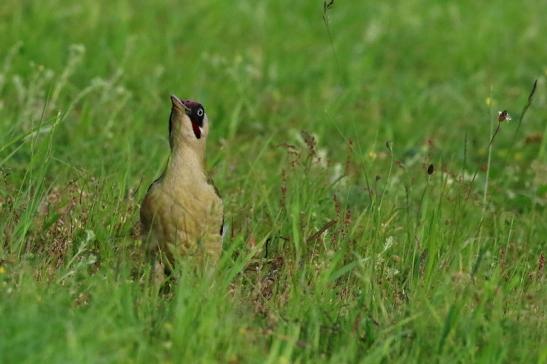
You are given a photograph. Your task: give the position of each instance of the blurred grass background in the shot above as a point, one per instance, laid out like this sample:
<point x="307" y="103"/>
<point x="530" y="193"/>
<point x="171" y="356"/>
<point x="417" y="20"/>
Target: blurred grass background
<point x="341" y="247"/>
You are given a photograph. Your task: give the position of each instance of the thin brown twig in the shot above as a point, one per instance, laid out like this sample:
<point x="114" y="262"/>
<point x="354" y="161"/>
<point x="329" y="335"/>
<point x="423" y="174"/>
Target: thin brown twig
<point x="318" y="234"/>
<point x="327" y="5"/>
<point x="525" y="108"/>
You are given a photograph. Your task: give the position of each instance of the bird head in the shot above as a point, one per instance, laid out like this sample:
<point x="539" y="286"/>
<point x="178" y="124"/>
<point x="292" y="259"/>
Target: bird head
<point x="188" y="123"/>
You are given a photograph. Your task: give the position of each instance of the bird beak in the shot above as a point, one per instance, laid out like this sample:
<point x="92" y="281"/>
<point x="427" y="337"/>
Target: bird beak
<point x="177" y="103"/>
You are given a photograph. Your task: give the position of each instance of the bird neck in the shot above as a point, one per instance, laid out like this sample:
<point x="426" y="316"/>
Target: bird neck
<point x="186" y="163"/>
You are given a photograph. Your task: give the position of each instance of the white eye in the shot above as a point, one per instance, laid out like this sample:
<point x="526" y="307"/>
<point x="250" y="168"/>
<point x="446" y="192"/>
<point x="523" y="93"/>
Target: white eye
<point x="200" y="112"/>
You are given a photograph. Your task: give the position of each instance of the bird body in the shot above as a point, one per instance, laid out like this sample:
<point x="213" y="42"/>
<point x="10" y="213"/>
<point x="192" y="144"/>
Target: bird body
<point x="182" y="214"/>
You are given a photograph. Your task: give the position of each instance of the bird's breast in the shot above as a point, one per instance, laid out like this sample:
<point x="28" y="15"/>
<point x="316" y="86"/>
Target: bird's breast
<point x="184" y="215"/>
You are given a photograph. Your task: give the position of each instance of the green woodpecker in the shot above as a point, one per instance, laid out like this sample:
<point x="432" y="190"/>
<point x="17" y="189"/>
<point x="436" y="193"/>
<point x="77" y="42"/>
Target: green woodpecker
<point x="182" y="213"/>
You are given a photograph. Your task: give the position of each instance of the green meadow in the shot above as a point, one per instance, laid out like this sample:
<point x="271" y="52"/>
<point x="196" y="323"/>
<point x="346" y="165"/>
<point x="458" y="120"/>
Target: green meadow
<point x="377" y="210"/>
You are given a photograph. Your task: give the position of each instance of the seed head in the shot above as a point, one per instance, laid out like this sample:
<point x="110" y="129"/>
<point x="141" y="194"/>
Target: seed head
<point x="503" y="116"/>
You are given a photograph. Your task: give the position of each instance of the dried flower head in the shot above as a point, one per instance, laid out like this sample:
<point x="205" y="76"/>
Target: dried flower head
<point x="503" y="116"/>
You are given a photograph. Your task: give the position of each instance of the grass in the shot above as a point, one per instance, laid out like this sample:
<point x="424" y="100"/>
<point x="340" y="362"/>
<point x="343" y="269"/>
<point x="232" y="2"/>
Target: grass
<point x="345" y="156"/>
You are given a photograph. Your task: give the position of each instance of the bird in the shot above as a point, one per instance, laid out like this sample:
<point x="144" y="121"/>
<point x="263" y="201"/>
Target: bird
<point x="182" y="213"/>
